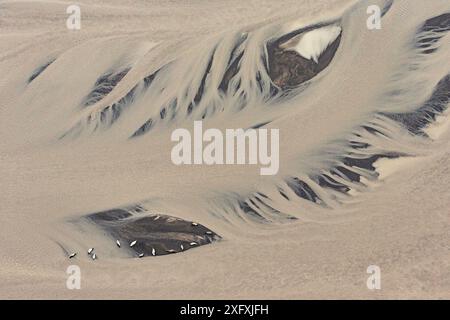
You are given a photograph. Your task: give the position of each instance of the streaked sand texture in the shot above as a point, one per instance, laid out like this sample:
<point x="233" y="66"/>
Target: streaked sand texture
<point x="85" y="124"/>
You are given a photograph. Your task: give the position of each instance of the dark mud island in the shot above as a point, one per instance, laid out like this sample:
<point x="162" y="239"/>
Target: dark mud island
<point x="289" y="69"/>
<point x="153" y="234"/>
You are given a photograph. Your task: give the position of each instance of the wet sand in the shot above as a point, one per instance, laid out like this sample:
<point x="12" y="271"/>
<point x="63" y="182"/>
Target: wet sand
<point x="85" y="124"/>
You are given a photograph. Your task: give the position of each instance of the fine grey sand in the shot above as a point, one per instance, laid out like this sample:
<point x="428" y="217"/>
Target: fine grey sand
<point x="86" y="118"/>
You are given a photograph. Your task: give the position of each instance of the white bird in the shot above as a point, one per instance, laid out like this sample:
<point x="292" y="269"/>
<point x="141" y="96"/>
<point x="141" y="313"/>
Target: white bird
<point x="141" y="255"/>
<point x="94" y="256"/>
<point x="118" y="243"/>
<point x="133" y="243"/>
<point x="170" y="251"/>
<point x="153" y="251"/>
<point x="193" y="243"/>
<point x="208" y="232"/>
<point x="72" y="255"/>
<point x="194" y="224"/>
<point x="90" y="250"/>
<point x="182" y="248"/>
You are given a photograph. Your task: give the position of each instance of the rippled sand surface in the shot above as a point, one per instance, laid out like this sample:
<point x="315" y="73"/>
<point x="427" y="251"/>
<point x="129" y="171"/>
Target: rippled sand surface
<point x="85" y="123"/>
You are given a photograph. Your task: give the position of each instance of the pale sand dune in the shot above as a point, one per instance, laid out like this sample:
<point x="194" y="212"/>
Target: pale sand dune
<point x="59" y="161"/>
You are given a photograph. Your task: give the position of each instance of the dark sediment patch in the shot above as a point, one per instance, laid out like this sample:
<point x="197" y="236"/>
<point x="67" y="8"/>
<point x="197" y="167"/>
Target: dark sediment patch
<point x="143" y="129"/>
<point x="439" y="25"/>
<point x="110" y="215"/>
<point x="416" y="121"/>
<point x="201" y="88"/>
<point x="115" y="110"/>
<point x="104" y="85"/>
<point x="283" y="194"/>
<point x="367" y="162"/>
<point x="159" y="233"/>
<point x="387" y="7"/>
<point x="351" y="162"/>
<point x="112" y="112"/>
<point x="39" y="71"/>
<point x="244" y="206"/>
<point x="148" y="80"/>
<point x="289" y="69"/>
<point x="358" y="145"/>
<point x="259" y="125"/>
<point x="107" y="116"/>
<point x="346" y="174"/>
<point x="233" y="65"/>
<point x="302" y="189"/>
<point x="257" y="208"/>
<point x="325" y="181"/>
<point x="231" y="71"/>
<point x="372" y="130"/>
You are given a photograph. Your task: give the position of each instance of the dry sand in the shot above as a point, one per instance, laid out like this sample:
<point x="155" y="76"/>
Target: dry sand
<point x="399" y="222"/>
